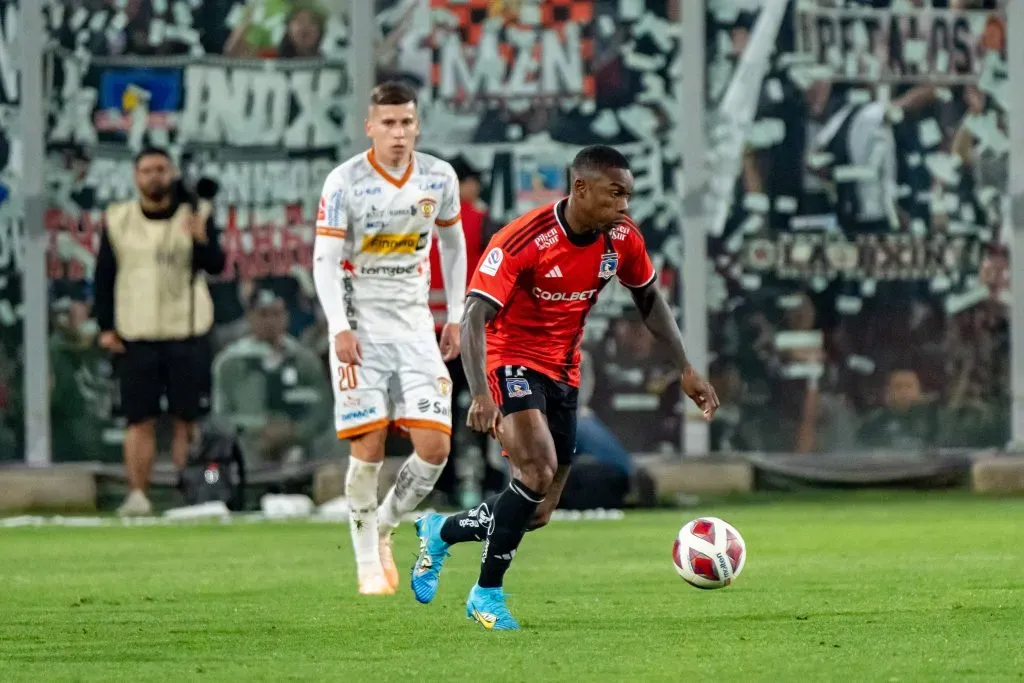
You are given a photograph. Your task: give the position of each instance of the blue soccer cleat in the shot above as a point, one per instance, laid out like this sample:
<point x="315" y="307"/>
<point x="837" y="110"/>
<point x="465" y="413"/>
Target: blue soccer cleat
<point x="486" y="606"/>
<point x="433" y="551"/>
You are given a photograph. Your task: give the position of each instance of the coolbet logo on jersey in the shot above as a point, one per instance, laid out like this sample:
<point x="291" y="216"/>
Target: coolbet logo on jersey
<point x="564" y="296"/>
<point x="386" y="243"/>
<point x="490" y="264"/>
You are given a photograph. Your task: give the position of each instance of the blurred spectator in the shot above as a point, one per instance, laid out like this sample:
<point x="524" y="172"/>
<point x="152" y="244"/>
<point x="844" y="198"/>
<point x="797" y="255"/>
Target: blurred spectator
<point x="73" y="357"/>
<point x="466" y="469"/>
<point x="272" y="388"/>
<point x="906" y="421"/>
<point x="733" y="429"/>
<point x="304" y="25"/>
<point x="155" y="312"/>
<point x="10" y="413"/>
<point x="592" y="437"/>
<point x="633" y="379"/>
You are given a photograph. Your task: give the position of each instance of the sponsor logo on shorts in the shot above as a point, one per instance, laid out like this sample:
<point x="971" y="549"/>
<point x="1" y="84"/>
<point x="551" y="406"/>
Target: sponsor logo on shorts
<point x="388" y="243"/>
<point x="359" y="414"/>
<point x="545" y="295"/>
<point x="489" y="266"/>
<point x="425" y="405"/>
<point x="517" y="387"/>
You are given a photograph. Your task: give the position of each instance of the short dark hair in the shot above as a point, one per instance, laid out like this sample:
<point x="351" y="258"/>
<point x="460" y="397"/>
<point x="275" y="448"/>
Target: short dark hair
<point x="263" y="296"/>
<point x="152" y="152"/>
<point x="393" y="92"/>
<point x="598" y="158"/>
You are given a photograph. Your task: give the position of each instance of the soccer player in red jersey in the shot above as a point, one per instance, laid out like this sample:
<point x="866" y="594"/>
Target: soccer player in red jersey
<point x="521" y="331"/>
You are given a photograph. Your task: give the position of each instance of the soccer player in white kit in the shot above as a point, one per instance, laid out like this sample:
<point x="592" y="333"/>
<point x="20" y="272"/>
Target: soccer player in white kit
<point x="371" y="266"/>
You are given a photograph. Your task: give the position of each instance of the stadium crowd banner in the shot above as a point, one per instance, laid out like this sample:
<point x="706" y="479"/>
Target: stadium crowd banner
<point x="516" y="88"/>
<point x="900" y="45"/>
<point x="267" y="131"/>
<point x="833" y="333"/>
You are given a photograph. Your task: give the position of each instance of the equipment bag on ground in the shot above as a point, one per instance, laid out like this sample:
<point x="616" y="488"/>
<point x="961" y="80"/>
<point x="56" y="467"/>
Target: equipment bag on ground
<point x="215" y="469"/>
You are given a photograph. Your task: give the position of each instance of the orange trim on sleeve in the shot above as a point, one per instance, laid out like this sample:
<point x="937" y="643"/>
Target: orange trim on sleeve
<point x="331" y="232"/>
<point x="447" y="224"/>
<point x="414" y="423"/>
<point x="360" y="430"/>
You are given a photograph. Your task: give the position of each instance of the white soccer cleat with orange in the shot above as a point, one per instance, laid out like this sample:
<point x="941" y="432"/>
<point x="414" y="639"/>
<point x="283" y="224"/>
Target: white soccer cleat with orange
<point x="375" y="584"/>
<point x="387" y="562"/>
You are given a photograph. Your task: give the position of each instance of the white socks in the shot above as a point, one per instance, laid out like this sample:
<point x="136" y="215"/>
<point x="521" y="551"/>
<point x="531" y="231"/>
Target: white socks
<point x="361" y="493"/>
<point x="415" y="480"/>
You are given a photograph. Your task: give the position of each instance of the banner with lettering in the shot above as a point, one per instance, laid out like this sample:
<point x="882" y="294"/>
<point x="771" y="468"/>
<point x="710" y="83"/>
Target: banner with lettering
<point x="859" y="289"/>
<point x="256" y="95"/>
<point x="910" y="45"/>
<point x="515" y="89"/>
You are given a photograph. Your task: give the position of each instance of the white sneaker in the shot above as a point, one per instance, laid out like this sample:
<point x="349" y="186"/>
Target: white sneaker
<point x="135" y="505"/>
<point x="387" y="562"/>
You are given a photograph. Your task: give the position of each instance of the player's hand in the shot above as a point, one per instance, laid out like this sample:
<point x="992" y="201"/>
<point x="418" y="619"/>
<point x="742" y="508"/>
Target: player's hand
<point x="700" y="392"/>
<point x="111" y="342"/>
<point x="484" y="416"/>
<point x="346" y="346"/>
<point x="450" y="341"/>
<point x="197" y="228"/>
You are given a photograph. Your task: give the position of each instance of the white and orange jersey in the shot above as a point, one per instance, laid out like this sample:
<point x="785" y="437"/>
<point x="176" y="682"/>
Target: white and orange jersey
<point x="373" y="239"/>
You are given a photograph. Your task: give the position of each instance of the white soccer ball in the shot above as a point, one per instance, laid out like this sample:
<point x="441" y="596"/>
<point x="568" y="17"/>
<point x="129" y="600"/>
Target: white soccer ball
<point x="709" y="553"/>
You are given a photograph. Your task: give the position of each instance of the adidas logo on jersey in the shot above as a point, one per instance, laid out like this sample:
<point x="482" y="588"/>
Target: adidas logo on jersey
<point x="554" y="272"/>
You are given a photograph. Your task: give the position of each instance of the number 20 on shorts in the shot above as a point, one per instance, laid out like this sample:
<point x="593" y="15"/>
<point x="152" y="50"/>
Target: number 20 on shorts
<point x="347" y="377"/>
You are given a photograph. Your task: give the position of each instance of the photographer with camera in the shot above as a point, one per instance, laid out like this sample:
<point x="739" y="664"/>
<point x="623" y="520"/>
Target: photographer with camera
<point x="154" y="310"/>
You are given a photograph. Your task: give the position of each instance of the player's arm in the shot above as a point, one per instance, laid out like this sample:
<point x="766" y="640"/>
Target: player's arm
<point x="658" y="318"/>
<point x="330" y="249"/>
<point x="638" y="275"/>
<point x="492" y="286"/>
<point x="479" y="312"/>
<point x="451" y="246"/>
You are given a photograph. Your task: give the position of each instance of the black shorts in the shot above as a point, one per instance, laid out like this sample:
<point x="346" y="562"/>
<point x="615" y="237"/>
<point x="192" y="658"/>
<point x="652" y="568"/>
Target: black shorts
<point x="179" y="370"/>
<point x="517" y="388"/>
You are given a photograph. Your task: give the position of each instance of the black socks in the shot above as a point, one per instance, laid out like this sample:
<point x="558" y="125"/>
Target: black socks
<point x="469" y="525"/>
<point x="511" y="513"/>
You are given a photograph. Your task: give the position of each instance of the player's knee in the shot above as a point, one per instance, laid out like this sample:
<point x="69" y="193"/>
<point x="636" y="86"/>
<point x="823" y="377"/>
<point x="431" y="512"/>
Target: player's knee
<point x="369" y="447"/>
<point x="538" y="473"/>
<point x="540" y="518"/>
<point x="431" y="446"/>
<point x="145" y="427"/>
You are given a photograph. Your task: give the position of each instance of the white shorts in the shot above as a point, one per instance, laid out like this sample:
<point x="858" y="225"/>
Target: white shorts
<point x="401" y="384"/>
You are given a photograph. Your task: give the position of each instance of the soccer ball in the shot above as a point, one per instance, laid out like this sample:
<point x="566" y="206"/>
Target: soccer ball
<point x="709" y="553"/>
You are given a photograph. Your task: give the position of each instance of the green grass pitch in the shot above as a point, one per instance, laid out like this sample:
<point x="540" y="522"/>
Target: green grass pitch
<point x="862" y="588"/>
